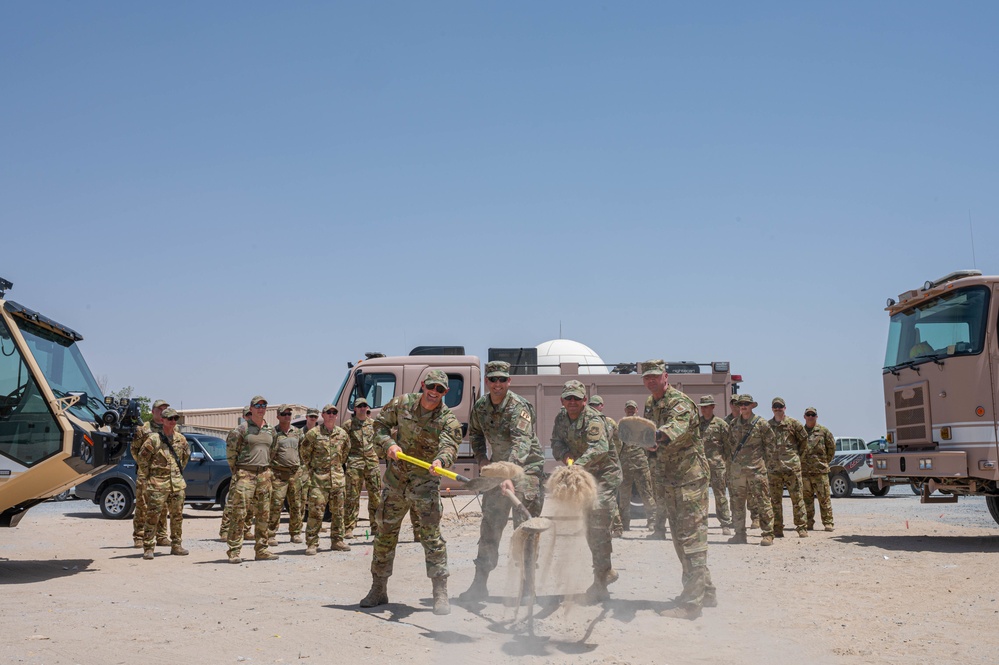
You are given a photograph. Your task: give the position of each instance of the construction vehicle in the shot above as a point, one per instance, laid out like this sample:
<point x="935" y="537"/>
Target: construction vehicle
<point x="55" y="427"/>
<point x="379" y="378"/>
<point x="941" y="383"/>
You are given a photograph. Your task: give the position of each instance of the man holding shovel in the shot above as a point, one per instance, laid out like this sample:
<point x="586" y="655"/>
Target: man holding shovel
<point x="505" y="421"/>
<point x="427" y="431"/>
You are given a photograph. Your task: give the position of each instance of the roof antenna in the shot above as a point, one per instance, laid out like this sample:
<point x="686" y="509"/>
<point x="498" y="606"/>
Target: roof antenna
<point x="560" y="329"/>
<point x="971" y="227"/>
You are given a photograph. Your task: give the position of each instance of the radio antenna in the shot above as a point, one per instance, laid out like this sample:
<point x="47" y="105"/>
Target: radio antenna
<point x="971" y="228"/>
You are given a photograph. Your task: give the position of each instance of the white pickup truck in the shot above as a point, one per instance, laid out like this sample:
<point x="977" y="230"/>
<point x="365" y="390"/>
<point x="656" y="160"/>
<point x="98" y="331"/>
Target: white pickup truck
<point x="853" y="467"/>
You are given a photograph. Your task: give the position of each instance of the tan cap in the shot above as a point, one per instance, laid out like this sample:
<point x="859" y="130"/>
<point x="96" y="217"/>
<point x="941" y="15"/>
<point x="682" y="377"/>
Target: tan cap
<point x="247" y="413"/>
<point x="631" y="402"/>
<point x="734" y="399"/>
<point x="327" y="407"/>
<point x="257" y="398"/>
<point x="657" y="366"/>
<point x="778" y="401"/>
<point x="282" y="408"/>
<point x="170" y="413"/>
<point x="596" y="400"/>
<point x="313" y="411"/>
<point x="436" y="376"/>
<point x="746" y="399"/>
<point x="811" y="410"/>
<point x="707" y="400"/>
<point x="361" y="402"/>
<point x="160" y="402"/>
<point x="497" y="368"/>
<point x="573" y="389"/>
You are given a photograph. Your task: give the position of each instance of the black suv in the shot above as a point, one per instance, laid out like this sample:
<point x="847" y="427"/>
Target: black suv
<point x="207" y="476"/>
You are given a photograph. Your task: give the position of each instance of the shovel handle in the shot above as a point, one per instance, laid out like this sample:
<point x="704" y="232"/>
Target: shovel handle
<point x="426" y="465"/>
<point x="517" y="504"/>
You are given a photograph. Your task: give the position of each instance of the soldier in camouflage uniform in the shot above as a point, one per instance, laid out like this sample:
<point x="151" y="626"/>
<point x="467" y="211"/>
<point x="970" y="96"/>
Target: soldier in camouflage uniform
<point x="786" y="468"/>
<point x="501" y="428"/>
<point x="580" y="433"/>
<point x="139" y="517"/>
<point x="287" y="470"/>
<point x="249" y="449"/>
<point x="229" y="505"/>
<point x="820" y="447"/>
<point x="362" y="468"/>
<point x="754" y="514"/>
<point x="161" y="460"/>
<point x="635" y="473"/>
<point x="684" y="473"/>
<point x="751" y="443"/>
<point x="427" y="430"/>
<point x="596" y="402"/>
<point x="324" y="451"/>
<point x="714" y="434"/>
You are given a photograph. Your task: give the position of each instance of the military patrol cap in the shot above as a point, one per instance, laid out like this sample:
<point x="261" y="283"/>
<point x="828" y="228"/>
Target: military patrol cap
<point x="435" y="376"/>
<point x="573" y="389"/>
<point x="778" y="401"/>
<point x="653" y="367"/>
<point x="282" y="408"/>
<point x="707" y="400"/>
<point x="360" y="402"/>
<point x="312" y="412"/>
<point x="257" y="398"/>
<point x="170" y="413"/>
<point x="811" y="410"/>
<point x="596" y="400"/>
<point x="331" y="406"/>
<point x="734" y="400"/>
<point x="160" y="402"/>
<point x="746" y="399"/>
<point x="247" y="413"/>
<point x="497" y="368"/>
<point x="631" y="402"/>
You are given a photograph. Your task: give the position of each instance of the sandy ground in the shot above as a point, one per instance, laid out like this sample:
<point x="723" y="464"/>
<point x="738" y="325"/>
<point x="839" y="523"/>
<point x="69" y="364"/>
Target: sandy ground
<point x="897" y="582"/>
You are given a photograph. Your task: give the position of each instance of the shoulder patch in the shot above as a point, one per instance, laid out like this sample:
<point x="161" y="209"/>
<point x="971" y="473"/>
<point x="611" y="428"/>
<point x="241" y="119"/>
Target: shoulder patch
<point x="595" y="431"/>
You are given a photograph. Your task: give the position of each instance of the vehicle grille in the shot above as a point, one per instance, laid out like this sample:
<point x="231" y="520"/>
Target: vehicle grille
<point x="912" y="423"/>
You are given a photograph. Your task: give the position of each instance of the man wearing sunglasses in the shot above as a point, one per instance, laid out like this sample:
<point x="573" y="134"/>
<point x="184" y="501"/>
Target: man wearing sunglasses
<point x="682" y="468"/>
<point x="161" y="460"/>
<point x="501" y="429"/>
<point x="714" y="436"/>
<point x="426" y="429"/>
<point x="362" y="468"/>
<point x="751" y="443"/>
<point x="286" y="466"/>
<point x="580" y="433"/>
<point x="230" y="505"/>
<point x="249" y="449"/>
<point x="790" y="439"/>
<point x="819" y="450"/>
<point x="324" y="451"/>
<point x="139" y="516"/>
<point x="311" y="420"/>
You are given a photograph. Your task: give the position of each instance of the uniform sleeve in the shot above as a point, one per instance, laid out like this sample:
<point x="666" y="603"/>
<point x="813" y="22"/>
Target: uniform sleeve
<point x="800" y="437"/>
<point x="523" y="437"/>
<point x="597" y="443"/>
<point x="145" y="459"/>
<point x="830" y="445"/>
<point x="476" y="437"/>
<point x="769" y="444"/>
<point x="679" y="420"/>
<point x="387" y="419"/>
<point x="306" y="446"/>
<point x="344" y="445"/>
<point x="450" y="439"/>
<point x="233" y="445"/>
<point x="560" y="447"/>
<point x="137" y="440"/>
<point x="183" y="452"/>
<point x="728" y="441"/>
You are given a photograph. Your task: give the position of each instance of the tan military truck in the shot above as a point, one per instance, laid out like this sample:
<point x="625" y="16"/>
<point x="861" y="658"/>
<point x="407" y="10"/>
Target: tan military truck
<point x="379" y="378"/>
<point x="941" y="384"/>
<point x="55" y="428"/>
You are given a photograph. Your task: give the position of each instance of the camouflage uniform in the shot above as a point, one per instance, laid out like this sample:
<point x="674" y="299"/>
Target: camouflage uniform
<point x="324" y="452"/>
<point x="427" y="436"/>
<point x="142" y="432"/>
<point x="287" y="472"/>
<point x="748" y="473"/>
<point x="714" y="433"/>
<point x="249" y="450"/>
<point x="362" y="467"/>
<point x="586" y="441"/>
<point x="683" y="470"/>
<point x="617" y="525"/>
<point x="230" y="505"/>
<point x="509" y="430"/>
<point x="785" y="471"/>
<point x="635" y="472"/>
<point x="164" y="479"/>
<point x="819" y="449"/>
<point x="754" y="513"/>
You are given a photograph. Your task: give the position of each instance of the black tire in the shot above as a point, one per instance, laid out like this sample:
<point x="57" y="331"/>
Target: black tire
<point x="880" y="492"/>
<point x="993" y="503"/>
<point x="117" y="501"/>
<point x="917" y="487"/>
<point x="223" y="497"/>
<point x="840" y="485"/>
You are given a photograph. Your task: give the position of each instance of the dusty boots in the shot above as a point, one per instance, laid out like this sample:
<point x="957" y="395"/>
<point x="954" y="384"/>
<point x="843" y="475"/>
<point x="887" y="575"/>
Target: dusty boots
<point x="478" y="590"/>
<point x="598" y="590"/>
<point x="378" y="595"/>
<point x="441" y="603"/>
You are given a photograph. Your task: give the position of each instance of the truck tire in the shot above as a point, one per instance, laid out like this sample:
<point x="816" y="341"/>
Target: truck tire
<point x="840" y="485"/>
<point x="116" y="501"/>
<point x="879" y="492"/>
<point x="223" y="496"/>
<point x="917" y="486"/>
<point x="993" y="503"/>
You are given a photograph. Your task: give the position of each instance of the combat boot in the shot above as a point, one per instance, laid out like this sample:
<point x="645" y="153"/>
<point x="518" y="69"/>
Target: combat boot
<point x="163" y="542"/>
<point x="755" y="523"/>
<point x="478" y="590"/>
<point x="778" y="533"/>
<point x="340" y="546"/>
<point x="598" y="590"/>
<point x="416" y="537"/>
<point x="738" y="539"/>
<point x="266" y="556"/>
<point x="441" y="603"/>
<point x="297" y="538"/>
<point x="802" y="533"/>
<point x="178" y="550"/>
<point x="656" y="535"/>
<point x="829" y="527"/>
<point x="137" y="542"/>
<point x="726" y="531"/>
<point x="767" y="541"/>
<point x="272" y="541"/>
<point x="148" y="555"/>
<point x="685" y="612"/>
<point x="234" y="558"/>
<point x="378" y="595"/>
<point x="311" y="550"/>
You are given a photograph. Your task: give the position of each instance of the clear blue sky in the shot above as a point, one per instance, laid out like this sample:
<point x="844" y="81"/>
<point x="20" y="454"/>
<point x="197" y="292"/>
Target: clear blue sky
<point x="238" y="198"/>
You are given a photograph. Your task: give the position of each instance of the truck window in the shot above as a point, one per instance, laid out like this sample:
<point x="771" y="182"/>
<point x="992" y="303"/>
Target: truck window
<point x="456" y="387"/>
<point x="950" y="325"/>
<point x="378" y="389"/>
<point x="28" y="430"/>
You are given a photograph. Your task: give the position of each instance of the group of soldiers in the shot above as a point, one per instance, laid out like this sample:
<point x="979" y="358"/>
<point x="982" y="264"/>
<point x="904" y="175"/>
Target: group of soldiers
<point x="325" y="465"/>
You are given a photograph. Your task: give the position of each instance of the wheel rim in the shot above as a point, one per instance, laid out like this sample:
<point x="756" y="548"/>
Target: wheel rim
<point x="838" y="485"/>
<point x="115" y="502"/>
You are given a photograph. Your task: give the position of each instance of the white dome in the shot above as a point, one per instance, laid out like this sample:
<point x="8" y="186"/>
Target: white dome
<point x="556" y="351"/>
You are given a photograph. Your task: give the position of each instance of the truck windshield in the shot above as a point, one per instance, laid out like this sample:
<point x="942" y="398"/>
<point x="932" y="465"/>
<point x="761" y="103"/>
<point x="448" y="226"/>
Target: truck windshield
<point x="950" y="325"/>
<point x="64" y="368"/>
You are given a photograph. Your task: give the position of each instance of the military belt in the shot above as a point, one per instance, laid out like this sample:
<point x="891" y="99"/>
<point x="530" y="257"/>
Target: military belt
<point x="251" y="467"/>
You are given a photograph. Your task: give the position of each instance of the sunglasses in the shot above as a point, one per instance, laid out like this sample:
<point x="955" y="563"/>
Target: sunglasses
<point x="312" y="415"/>
<point x="573" y="398"/>
<point x="810" y="415"/>
<point x="498" y="379"/>
<point x="358" y="408"/>
<point x="777" y="407"/>
<point x="259" y="405"/>
<point x="174" y="418"/>
<point x="433" y="387"/>
<point x="331" y="412"/>
<point x="286" y="413"/>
